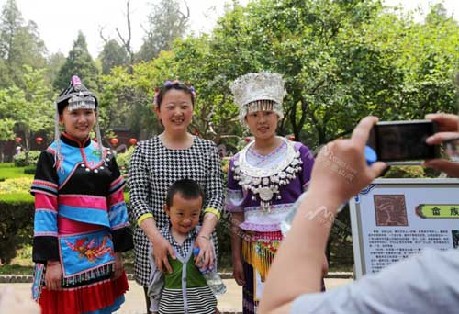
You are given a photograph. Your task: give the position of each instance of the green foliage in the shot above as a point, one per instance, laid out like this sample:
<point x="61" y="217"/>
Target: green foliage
<point x="26" y="110"/>
<point x="123" y="160"/>
<point x="342" y="60"/>
<point x="20" y="45"/>
<point x="405" y="172"/>
<point x="15" y="269"/>
<point x="30" y="169"/>
<point x="126" y="97"/>
<point x="113" y="55"/>
<point x="17" y="214"/>
<point x="224" y="241"/>
<point x="79" y="62"/>
<point x="25" y="158"/>
<point x="54" y="64"/>
<point x="15" y="185"/>
<point x="166" y="23"/>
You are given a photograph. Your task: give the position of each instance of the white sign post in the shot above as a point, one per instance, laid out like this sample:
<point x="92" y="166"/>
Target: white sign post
<point x="394" y="218"/>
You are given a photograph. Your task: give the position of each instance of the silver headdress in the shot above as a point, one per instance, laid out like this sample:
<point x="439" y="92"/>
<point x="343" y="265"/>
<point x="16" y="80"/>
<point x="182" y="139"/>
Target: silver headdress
<point x="258" y="92"/>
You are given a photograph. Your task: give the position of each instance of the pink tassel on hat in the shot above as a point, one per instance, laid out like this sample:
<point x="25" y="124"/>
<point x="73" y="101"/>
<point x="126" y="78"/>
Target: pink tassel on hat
<point x="76" y="80"/>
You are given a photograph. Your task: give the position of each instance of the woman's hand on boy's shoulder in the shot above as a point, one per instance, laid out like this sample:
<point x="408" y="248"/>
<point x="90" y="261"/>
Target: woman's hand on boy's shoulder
<point x="206" y="256"/>
<point x="161" y="250"/>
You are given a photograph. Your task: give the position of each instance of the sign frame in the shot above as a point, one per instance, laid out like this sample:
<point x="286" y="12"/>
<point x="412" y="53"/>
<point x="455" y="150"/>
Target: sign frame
<point x="382" y="183"/>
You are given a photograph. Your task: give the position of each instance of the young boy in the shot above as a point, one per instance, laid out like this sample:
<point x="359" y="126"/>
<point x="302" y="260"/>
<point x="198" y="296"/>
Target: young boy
<point x="185" y="290"/>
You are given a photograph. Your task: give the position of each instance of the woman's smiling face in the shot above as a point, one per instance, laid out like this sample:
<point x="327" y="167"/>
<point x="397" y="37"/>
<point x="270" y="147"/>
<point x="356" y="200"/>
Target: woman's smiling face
<point x="262" y="124"/>
<point x="78" y="122"/>
<point x="175" y="110"/>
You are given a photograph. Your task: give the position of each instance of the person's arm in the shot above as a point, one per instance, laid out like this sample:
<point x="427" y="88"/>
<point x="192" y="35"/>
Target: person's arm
<point x="402" y="287"/>
<point x="339" y="173"/>
<point x="213" y="190"/>
<point x="45" y="190"/>
<point x="236" y="219"/>
<point x="234" y="199"/>
<point x="139" y="190"/>
<point x="45" y="247"/>
<point x="162" y="247"/>
<point x="307" y="160"/>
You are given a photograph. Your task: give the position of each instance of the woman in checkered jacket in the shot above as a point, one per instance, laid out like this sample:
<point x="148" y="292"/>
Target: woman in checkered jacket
<point x="157" y="163"/>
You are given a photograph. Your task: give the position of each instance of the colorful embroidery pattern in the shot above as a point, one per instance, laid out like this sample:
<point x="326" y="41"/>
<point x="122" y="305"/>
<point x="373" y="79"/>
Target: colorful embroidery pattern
<point x="262" y="247"/>
<point x="89" y="249"/>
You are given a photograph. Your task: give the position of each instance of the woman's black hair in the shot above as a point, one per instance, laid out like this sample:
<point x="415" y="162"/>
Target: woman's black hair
<point x="177" y="85"/>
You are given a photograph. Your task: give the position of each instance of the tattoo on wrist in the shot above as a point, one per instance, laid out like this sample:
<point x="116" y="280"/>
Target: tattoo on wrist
<point x="321" y="214"/>
<point x="338" y="166"/>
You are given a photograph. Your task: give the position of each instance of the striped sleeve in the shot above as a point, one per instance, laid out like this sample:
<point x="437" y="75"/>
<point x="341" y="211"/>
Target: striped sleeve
<point x="45" y="189"/>
<point x="46" y="180"/>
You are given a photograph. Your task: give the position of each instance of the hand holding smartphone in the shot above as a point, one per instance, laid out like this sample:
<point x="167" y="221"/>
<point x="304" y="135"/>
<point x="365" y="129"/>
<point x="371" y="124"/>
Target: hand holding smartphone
<point x="404" y="142"/>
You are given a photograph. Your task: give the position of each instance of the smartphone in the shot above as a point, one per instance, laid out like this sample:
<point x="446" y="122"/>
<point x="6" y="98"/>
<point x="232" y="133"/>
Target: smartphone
<point x="404" y="142"/>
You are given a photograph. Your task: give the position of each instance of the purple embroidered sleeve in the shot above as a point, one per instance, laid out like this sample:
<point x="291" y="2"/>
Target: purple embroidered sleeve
<point x="234" y="195"/>
<point x="307" y="158"/>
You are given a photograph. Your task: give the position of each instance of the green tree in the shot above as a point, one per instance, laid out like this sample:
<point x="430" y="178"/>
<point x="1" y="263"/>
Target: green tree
<point x="341" y="60"/>
<point x="113" y="55"/>
<point x="28" y="110"/>
<point x="167" y="22"/>
<point x="127" y="95"/>
<point x="6" y="124"/>
<point x="20" y="45"/>
<point x="215" y="116"/>
<point x="35" y="110"/>
<point x="430" y="59"/>
<point x="79" y="62"/>
<point x="54" y="64"/>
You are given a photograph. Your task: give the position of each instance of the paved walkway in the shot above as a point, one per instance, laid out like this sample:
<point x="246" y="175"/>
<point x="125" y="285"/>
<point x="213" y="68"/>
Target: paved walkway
<point x="135" y="302"/>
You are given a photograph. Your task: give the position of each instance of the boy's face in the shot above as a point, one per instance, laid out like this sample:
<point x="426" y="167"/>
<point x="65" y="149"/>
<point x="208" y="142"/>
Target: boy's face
<point x="184" y="213"/>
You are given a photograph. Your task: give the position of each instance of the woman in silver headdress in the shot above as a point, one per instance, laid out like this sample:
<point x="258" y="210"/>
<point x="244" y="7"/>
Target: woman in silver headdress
<point x="265" y="179"/>
<point x="81" y="222"/>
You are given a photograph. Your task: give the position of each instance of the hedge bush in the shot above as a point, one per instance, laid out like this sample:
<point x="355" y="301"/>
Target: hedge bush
<point x="16" y="223"/>
<point x="123" y="160"/>
<point x="30" y="169"/>
<point x="20" y="159"/>
<point x="17" y="185"/>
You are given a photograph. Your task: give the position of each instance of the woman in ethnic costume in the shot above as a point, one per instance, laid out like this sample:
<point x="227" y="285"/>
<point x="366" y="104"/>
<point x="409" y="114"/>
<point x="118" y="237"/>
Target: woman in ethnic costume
<point x="265" y="179"/>
<point x="81" y="222"/>
<point x="155" y="165"/>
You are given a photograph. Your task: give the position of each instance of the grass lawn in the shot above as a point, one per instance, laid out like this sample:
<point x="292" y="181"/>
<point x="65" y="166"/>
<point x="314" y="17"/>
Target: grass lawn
<point x="9" y="171"/>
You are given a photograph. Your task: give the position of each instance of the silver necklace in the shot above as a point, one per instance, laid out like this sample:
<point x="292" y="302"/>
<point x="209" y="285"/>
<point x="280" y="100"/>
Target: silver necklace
<point x="265" y="182"/>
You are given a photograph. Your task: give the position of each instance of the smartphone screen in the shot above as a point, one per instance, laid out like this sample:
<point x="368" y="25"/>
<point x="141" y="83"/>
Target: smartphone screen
<point x="402" y="141"/>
